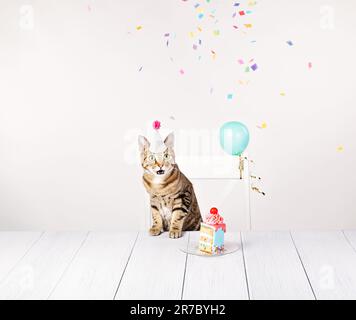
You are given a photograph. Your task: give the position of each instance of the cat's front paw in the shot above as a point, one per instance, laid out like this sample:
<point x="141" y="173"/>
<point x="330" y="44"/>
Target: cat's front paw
<point x="154" y="231"/>
<point x="174" y="234"/>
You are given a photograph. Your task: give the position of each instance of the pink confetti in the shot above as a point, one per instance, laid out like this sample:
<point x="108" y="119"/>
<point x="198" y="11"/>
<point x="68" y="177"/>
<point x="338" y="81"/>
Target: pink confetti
<point x="195" y="47"/>
<point x="240" y="61"/>
<point x="181" y="71"/>
<point x="310" y="65"/>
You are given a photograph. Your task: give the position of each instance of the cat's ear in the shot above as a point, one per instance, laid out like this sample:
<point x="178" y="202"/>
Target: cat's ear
<point x="143" y="143"/>
<point x="169" y="141"/>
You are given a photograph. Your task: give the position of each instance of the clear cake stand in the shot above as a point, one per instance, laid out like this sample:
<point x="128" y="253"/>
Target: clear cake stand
<point x="193" y="249"/>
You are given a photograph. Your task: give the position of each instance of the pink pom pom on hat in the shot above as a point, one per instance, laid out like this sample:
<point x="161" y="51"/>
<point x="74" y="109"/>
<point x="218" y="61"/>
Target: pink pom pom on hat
<point x="156" y="125"/>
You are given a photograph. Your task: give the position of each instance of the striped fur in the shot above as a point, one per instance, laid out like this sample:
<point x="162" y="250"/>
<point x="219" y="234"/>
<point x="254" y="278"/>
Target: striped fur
<point x="174" y="206"/>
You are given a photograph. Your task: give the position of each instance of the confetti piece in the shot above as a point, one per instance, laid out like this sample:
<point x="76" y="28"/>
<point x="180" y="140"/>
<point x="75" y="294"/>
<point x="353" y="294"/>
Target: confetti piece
<point x="251" y="3"/>
<point x="191" y="34"/>
<point x="199" y="42"/>
<point x="244" y="82"/>
<point x="196" y="5"/>
<point x="167" y="43"/>
<point x="166" y="34"/>
<point x="172" y="118"/>
<point x="340" y="148"/>
<point x="201" y="15"/>
<point x="211" y="90"/>
<point x="200" y="29"/>
<point x="248" y="11"/>
<point x="89" y="8"/>
<point x="181" y="71"/>
<point x="140" y="69"/>
<point x="310" y="65"/>
<point x="262" y="126"/>
<point x="234" y="15"/>
<point x="253" y="41"/>
<point x="282" y="94"/>
<point x="254" y="67"/>
<point x="236" y="27"/>
<point x="195" y="47"/>
<point x="213" y="53"/>
<point x="248" y="25"/>
<point x="230" y="96"/>
<point x="241" y="13"/>
<point x="138" y="28"/>
<point x="240" y="61"/>
<point x="289" y="42"/>
<point x="247" y="69"/>
<point x="216" y="32"/>
<point x="236" y="4"/>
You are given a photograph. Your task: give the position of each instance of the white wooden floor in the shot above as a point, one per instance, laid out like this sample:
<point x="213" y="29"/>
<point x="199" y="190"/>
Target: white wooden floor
<point x="104" y="265"/>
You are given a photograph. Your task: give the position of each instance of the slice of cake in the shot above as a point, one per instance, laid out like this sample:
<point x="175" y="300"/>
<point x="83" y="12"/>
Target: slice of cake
<point x="212" y="232"/>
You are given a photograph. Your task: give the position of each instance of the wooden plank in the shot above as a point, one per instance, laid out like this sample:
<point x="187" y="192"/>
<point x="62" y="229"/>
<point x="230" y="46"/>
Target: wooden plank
<point x="13" y="247"/>
<point x="211" y="278"/>
<point x="155" y="269"/>
<point x="274" y="270"/>
<point x="351" y="238"/>
<point x="37" y="274"/>
<point x="97" y="268"/>
<point x="330" y="262"/>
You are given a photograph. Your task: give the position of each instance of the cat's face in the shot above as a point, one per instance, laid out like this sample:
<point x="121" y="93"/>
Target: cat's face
<point x="157" y="164"/>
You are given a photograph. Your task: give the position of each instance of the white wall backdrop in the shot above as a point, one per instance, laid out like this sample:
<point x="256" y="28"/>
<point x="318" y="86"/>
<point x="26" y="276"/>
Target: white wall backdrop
<point x="80" y="79"/>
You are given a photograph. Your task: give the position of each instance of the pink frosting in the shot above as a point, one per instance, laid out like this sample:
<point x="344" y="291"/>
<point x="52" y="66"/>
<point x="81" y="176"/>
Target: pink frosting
<point x="213" y="219"/>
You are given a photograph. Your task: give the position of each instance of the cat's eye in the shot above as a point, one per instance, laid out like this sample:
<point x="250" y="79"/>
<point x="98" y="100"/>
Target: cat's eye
<point x="167" y="156"/>
<point x="151" y="158"/>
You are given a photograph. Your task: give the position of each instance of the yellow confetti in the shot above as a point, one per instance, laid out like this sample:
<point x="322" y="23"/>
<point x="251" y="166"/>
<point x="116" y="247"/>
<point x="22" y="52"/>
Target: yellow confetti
<point x="248" y="25"/>
<point x="191" y="34"/>
<point x="340" y="148"/>
<point x="138" y="27"/>
<point x="251" y="3"/>
<point x="263" y="125"/>
<point x="200" y="10"/>
<point x="282" y="94"/>
<point x="200" y="29"/>
<point x="244" y="82"/>
<point x="216" y="32"/>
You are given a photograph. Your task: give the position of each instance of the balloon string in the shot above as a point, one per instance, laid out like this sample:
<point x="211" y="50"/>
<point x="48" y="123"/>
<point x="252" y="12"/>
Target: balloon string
<point x="241" y="166"/>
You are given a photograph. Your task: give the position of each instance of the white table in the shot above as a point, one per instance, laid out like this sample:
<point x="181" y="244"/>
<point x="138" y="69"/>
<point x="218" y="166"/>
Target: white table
<point x="114" y="265"/>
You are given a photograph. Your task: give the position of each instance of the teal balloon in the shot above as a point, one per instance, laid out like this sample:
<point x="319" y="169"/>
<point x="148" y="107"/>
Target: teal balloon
<point x="234" y="137"/>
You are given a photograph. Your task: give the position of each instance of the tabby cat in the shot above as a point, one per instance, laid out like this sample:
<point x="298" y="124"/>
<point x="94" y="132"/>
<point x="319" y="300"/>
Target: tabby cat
<point x="174" y="206"/>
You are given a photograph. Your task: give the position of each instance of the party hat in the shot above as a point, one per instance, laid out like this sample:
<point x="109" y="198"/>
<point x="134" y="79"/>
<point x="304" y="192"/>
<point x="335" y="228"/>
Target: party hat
<point x="157" y="143"/>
